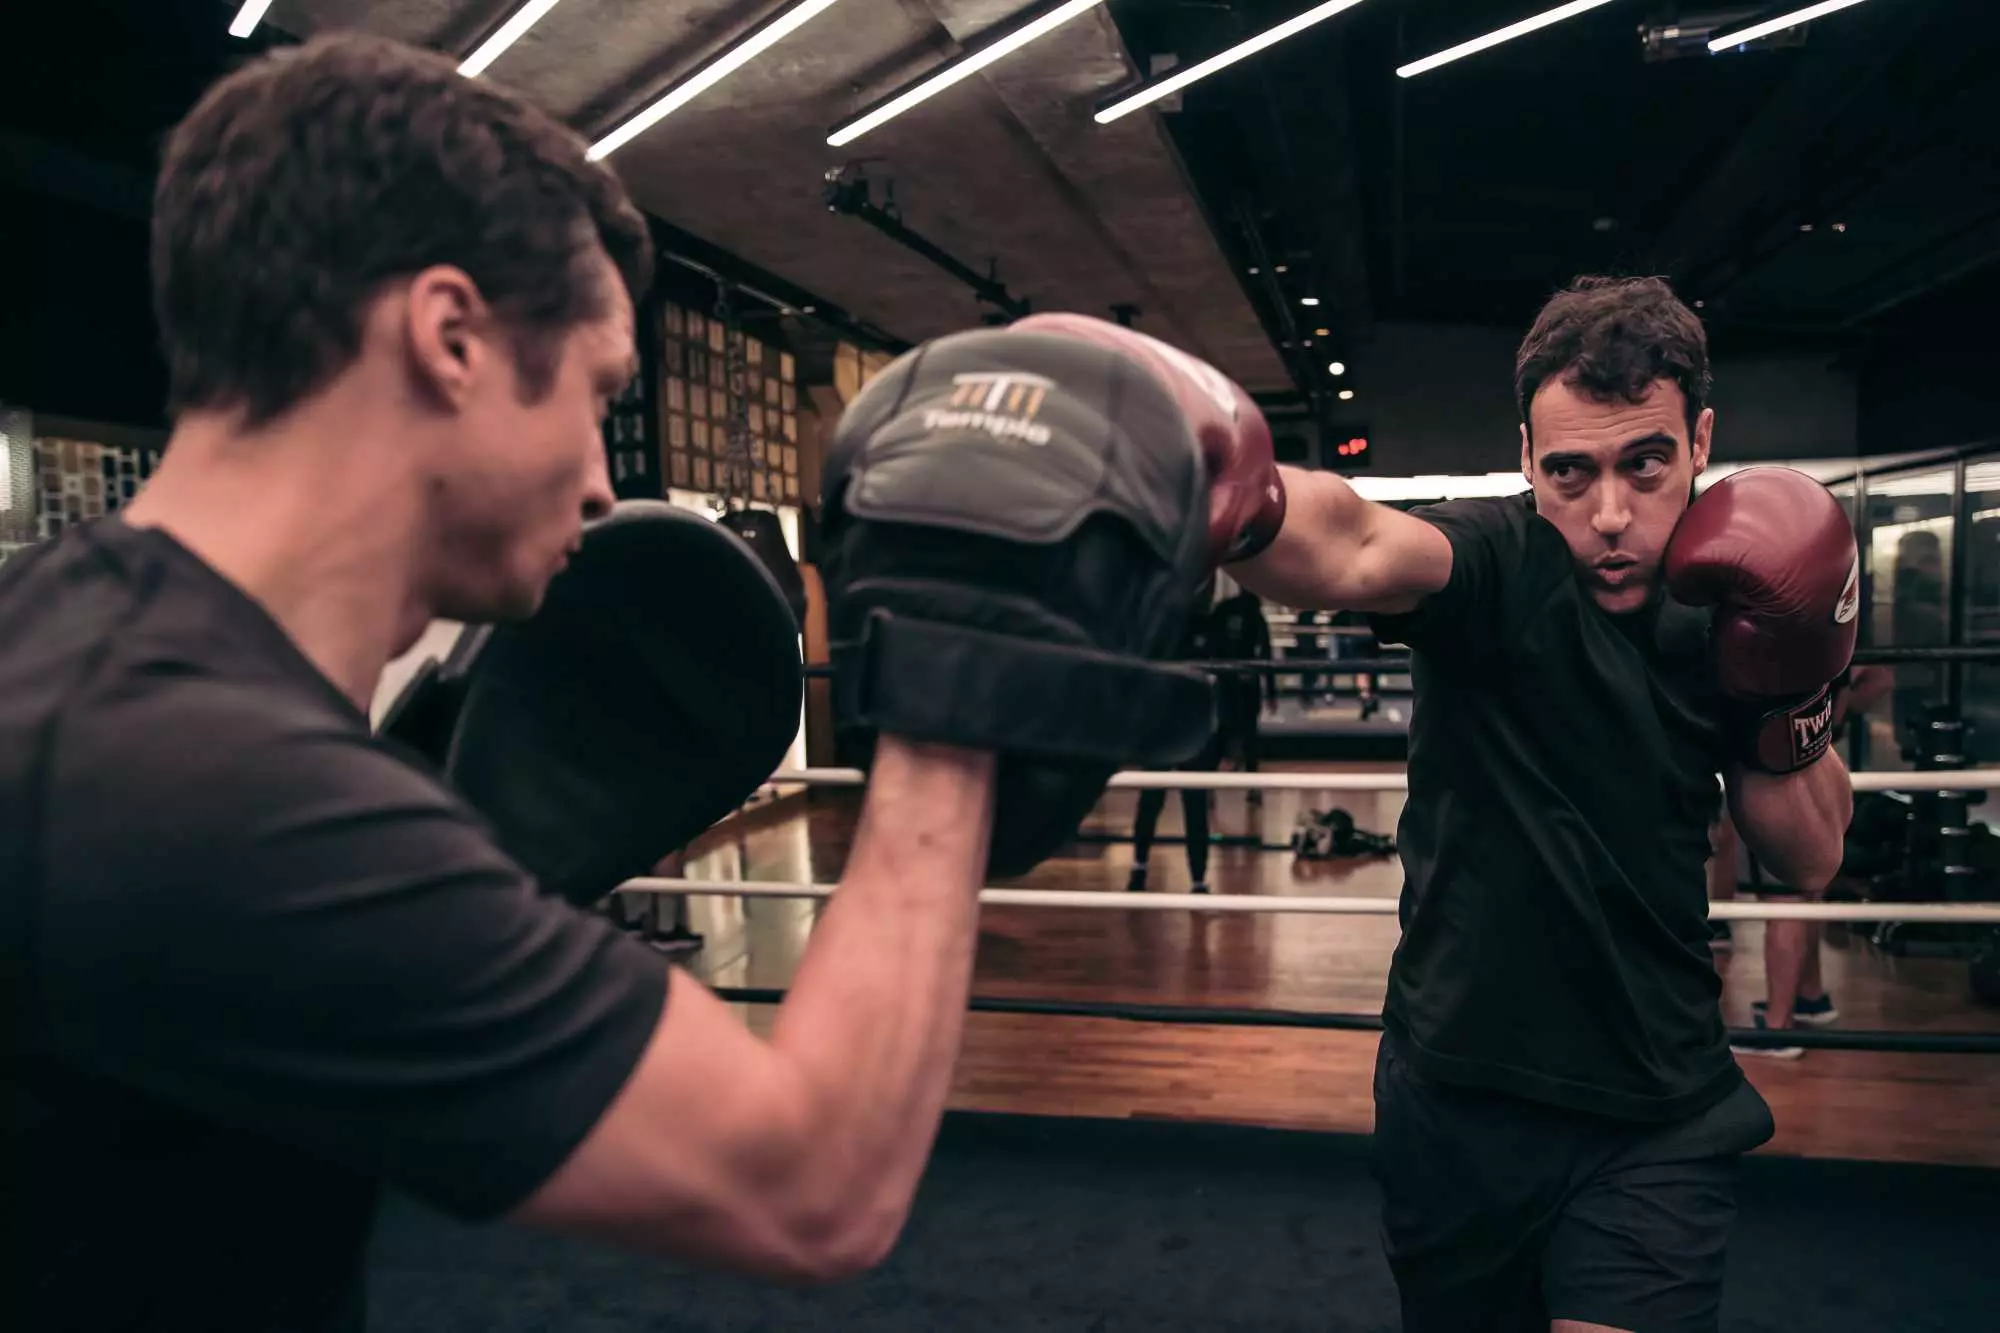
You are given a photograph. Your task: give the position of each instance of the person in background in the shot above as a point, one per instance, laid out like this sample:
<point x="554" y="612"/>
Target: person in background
<point x="1307" y="645"/>
<point x="1241" y="634"/>
<point x="1197" y="645"/>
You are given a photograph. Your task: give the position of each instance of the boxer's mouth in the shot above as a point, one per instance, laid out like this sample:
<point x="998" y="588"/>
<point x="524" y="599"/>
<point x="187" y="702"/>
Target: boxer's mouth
<point x="1614" y="569"/>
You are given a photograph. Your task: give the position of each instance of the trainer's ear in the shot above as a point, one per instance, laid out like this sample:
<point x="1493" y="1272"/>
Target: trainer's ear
<point x="1527" y="456"/>
<point x="443" y="318"/>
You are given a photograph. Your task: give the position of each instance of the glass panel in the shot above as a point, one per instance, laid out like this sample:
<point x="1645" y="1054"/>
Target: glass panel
<point x="1982" y="606"/>
<point x="1910" y="521"/>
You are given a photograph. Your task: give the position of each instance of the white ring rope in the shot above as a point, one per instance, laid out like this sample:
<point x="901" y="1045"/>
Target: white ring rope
<point x="1962" y="779"/>
<point x="1119" y="900"/>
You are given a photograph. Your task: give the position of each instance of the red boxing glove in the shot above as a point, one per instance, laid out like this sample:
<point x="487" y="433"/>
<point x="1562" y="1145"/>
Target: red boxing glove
<point x="1246" y="499"/>
<point x="1774" y="553"/>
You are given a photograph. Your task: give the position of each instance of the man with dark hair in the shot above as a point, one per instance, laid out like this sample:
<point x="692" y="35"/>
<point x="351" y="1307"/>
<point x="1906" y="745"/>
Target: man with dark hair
<point x="1558" y="1116"/>
<point x="259" y="965"/>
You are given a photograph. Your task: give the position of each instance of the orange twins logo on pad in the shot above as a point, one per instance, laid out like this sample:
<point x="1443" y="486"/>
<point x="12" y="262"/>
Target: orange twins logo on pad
<point x="1001" y="403"/>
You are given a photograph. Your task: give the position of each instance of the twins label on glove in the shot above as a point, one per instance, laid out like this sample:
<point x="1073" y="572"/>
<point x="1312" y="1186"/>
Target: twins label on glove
<point x="1792" y="738"/>
<point x="1813" y="731"/>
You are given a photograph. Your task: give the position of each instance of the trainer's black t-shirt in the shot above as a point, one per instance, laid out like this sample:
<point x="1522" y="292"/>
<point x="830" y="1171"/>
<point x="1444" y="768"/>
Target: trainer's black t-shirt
<point x="1563" y="776"/>
<point x="270" y="967"/>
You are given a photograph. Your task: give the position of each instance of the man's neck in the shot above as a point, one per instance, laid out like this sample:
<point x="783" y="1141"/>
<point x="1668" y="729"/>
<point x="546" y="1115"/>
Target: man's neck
<point x="321" y="530"/>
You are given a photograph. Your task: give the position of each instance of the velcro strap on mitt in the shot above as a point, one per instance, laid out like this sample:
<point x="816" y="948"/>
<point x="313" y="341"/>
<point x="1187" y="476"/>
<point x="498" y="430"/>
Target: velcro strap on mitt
<point x="946" y="683"/>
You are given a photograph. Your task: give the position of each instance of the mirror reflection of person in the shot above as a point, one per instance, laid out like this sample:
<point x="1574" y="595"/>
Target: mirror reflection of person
<point x="1916" y="619"/>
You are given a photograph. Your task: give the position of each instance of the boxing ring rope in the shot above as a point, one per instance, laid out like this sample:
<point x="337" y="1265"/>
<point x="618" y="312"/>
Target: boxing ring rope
<point x="1399" y="664"/>
<point x="1928" y="780"/>
<point x="1847" y="1039"/>
<point x="1986" y="914"/>
<point x="1962" y="779"/>
<point x="1835" y="1039"/>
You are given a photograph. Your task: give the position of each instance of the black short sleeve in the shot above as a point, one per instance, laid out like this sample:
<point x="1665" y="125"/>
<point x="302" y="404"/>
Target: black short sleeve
<point x="253" y="910"/>
<point x="1504" y="558"/>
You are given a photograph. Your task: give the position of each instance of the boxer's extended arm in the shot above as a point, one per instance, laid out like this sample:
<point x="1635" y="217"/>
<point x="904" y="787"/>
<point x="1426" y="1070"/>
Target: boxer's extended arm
<point x="1795" y="823"/>
<point x="798" y="1156"/>
<point x="1339" y="552"/>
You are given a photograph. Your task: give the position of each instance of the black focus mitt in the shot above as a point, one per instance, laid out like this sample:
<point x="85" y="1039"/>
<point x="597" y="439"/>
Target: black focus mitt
<point x="656" y="688"/>
<point x="1014" y="523"/>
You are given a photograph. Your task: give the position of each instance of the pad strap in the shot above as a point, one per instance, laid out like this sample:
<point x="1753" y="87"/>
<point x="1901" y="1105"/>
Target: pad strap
<point x="1786" y="737"/>
<point x="929" y="681"/>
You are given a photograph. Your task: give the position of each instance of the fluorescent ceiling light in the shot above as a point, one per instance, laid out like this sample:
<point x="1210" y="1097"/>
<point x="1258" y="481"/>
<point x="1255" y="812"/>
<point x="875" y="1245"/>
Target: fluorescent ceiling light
<point x="1492" y="39"/>
<point x="724" y="65"/>
<point x="1308" y="300"/>
<point x="956" y="71"/>
<point x="1780" y="23"/>
<point x="248" y="17"/>
<point x="1337" y="368"/>
<point x="1346" y="395"/>
<point x="1436" y="486"/>
<point x="1173" y="83"/>
<point x="526" y="17"/>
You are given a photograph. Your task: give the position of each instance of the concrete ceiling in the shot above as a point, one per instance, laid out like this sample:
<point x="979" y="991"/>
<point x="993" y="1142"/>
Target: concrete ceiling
<point x="1007" y="168"/>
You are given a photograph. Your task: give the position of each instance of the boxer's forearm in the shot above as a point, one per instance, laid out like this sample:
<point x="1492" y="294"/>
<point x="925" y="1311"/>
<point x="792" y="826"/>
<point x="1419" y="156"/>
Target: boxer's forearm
<point x="1339" y="552"/>
<point x="874" y="1015"/>
<point x="1795" y="823"/>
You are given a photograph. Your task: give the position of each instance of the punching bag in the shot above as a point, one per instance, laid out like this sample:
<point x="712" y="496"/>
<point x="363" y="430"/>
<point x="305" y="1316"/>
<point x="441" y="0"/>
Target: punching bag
<point x="760" y="531"/>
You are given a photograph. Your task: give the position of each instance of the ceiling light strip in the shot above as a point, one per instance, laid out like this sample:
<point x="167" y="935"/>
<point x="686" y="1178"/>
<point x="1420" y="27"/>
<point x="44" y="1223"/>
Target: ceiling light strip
<point x="1779" y="24"/>
<point x="958" y="70"/>
<point x="510" y="32"/>
<point x="754" y="44"/>
<point x="1242" y="50"/>
<point x="248" y="17"/>
<point x="1493" y="39"/>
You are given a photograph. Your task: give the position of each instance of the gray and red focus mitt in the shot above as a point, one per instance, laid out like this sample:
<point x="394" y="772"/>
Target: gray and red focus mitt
<point x="656" y="688"/>
<point x="1774" y="552"/>
<point x="1014" y="520"/>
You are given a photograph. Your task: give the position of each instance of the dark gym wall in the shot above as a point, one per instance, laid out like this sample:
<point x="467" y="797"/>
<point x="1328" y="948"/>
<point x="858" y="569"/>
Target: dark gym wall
<point x="77" y="338"/>
<point x="1938" y="396"/>
<point x="1439" y="398"/>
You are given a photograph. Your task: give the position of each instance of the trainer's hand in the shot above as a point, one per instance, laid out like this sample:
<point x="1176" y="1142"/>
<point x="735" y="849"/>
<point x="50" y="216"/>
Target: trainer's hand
<point x="1246" y="498"/>
<point x="1773" y="551"/>
<point x="1013" y="527"/>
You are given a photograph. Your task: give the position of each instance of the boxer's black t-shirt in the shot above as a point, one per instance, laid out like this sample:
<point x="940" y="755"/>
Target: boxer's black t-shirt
<point x="270" y="967"/>
<point x="1563" y="776"/>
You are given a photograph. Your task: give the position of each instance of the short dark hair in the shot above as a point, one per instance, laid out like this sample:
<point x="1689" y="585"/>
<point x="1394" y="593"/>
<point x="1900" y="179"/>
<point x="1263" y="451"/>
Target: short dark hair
<point x="1612" y="338"/>
<point x="307" y="179"/>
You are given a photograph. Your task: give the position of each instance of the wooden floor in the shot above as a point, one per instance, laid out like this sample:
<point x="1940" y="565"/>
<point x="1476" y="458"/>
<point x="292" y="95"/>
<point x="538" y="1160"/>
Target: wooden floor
<point x="1867" y="1105"/>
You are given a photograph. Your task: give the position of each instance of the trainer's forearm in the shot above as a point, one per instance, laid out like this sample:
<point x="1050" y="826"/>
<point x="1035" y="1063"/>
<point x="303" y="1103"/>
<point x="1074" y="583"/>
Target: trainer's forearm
<point x="1795" y="824"/>
<point x="874" y="1015"/>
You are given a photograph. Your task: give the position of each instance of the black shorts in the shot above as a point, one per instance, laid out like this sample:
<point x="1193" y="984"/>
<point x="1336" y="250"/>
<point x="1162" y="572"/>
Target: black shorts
<point x="1500" y="1214"/>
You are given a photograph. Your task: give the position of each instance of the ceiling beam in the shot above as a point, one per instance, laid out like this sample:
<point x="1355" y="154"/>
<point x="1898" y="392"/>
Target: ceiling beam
<point x="1762" y="171"/>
